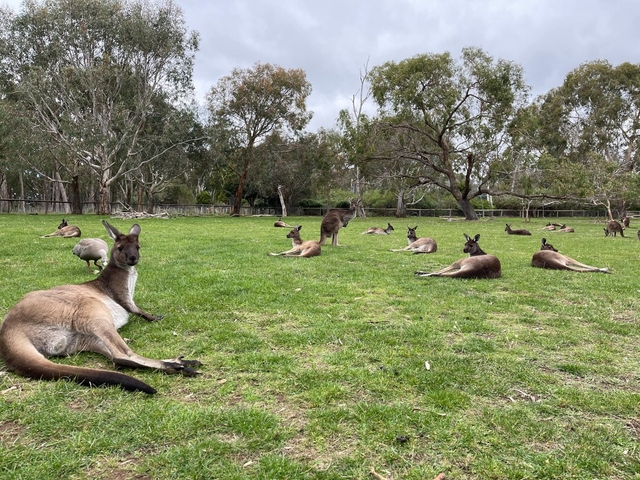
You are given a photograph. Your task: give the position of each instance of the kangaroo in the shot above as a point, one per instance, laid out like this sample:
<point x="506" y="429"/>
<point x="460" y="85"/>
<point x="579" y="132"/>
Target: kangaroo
<point x="613" y="227"/>
<point x="565" y="229"/>
<point x="379" y="231"/>
<point x="306" y="249"/>
<point x="65" y="231"/>
<point x="549" y="226"/>
<point x="334" y="220"/>
<point x="418" y="245"/>
<point x="281" y="224"/>
<point x="477" y="265"/>
<point x="548" y="257"/>
<point x="73" y="318"/>
<point x="519" y="231"/>
<point x="625" y="221"/>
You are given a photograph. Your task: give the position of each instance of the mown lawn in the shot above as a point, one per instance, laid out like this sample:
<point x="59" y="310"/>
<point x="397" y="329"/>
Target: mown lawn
<point x="317" y="368"/>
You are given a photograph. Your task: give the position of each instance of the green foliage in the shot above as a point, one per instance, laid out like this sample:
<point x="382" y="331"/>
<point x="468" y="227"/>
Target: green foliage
<point x="310" y="203"/>
<point x="317" y="368"/>
<point x="203" y="198"/>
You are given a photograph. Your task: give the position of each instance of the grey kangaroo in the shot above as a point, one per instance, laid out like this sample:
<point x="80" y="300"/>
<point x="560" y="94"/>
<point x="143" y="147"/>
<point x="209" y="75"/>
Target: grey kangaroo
<point x="73" y="318"/>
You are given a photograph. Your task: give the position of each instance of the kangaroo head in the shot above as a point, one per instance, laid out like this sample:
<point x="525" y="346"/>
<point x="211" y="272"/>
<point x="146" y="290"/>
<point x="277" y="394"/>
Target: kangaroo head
<point x="63" y="224"/>
<point x="126" y="249"/>
<point x="547" y="246"/>
<point x="471" y="246"/>
<point x="295" y="233"/>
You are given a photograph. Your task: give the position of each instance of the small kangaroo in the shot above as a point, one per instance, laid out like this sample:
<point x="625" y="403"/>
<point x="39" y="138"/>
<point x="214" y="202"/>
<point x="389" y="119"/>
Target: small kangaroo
<point x="73" y="318"/>
<point x="518" y="231"/>
<point x="477" y="265"/>
<point x="418" y="245"/>
<point x="548" y="257"/>
<point x="65" y="231"/>
<point x="626" y="221"/>
<point x="613" y="227"/>
<point x="549" y="226"/>
<point x="565" y="229"/>
<point x="281" y="224"/>
<point x="306" y="249"/>
<point x="334" y="220"/>
<point x="379" y="231"/>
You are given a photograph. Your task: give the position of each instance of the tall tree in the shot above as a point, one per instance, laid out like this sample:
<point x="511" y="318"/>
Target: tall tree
<point x="593" y="125"/>
<point x="87" y="74"/>
<point x="450" y="117"/>
<point x="251" y="104"/>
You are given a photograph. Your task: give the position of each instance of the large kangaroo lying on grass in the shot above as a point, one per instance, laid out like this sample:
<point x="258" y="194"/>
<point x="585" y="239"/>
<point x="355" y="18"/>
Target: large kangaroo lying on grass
<point x="418" y="245"/>
<point x="65" y="231"/>
<point x="306" y="249"/>
<point x="73" y="318"/>
<point x="477" y="265"/>
<point x="548" y="257"/>
<point x="334" y="220"/>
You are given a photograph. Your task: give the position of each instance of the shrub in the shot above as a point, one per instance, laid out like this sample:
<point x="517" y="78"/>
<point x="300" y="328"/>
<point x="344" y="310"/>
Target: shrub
<point x="203" y="198"/>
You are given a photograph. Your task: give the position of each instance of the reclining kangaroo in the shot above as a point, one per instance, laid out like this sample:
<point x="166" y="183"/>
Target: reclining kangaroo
<point x="548" y="257"/>
<point x="477" y="265"/>
<point x="306" y="248"/>
<point x="73" y="318"/>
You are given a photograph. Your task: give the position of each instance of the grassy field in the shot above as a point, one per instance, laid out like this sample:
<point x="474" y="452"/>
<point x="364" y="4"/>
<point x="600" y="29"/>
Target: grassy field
<point x="317" y="368"/>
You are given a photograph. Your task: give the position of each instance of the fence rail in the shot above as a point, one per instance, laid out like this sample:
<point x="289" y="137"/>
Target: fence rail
<point x="61" y="208"/>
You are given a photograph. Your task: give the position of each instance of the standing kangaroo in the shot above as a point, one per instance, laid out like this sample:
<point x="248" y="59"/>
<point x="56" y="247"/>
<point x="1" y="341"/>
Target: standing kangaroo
<point x="548" y="257"/>
<point x="65" y="231"/>
<point x="334" y="220"/>
<point x="73" y="318"/>
<point x="477" y="265"/>
<point x="518" y="231"/>
<point x="306" y="249"/>
<point x="378" y="230"/>
<point x="418" y="245"/>
<point x="613" y="227"/>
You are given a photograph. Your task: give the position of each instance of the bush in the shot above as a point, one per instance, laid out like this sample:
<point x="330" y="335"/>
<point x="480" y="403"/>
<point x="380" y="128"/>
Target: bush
<point x="310" y="203"/>
<point x="203" y="198"/>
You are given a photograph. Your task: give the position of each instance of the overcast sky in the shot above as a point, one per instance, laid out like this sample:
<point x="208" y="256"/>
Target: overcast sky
<point x="332" y="40"/>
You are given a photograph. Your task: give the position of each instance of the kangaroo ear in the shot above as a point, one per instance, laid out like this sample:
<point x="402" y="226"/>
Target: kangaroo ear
<point x="111" y="230"/>
<point x="477" y="237"/>
<point x="544" y="241"/>
<point x="299" y="227"/>
<point x="466" y="237"/>
<point x="135" y="229"/>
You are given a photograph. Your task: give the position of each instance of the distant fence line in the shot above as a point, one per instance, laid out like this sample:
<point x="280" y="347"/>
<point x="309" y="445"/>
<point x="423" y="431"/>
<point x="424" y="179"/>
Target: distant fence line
<point x="61" y="208"/>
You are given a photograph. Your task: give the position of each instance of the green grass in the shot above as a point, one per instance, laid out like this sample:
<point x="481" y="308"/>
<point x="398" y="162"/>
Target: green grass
<point x="315" y="368"/>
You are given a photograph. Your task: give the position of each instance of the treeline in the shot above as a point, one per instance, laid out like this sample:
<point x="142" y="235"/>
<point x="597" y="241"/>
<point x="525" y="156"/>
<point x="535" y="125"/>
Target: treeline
<point x="97" y="105"/>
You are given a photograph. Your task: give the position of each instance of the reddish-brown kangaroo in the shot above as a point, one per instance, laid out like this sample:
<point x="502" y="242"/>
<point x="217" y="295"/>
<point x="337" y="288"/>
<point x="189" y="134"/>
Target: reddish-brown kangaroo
<point x="73" y="318"/>
<point x="334" y="220"/>
<point x="477" y="265"/>
<point x="548" y="257"/>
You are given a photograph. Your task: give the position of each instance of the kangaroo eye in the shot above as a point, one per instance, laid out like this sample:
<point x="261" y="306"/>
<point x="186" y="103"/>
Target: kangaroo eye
<point x="120" y="248"/>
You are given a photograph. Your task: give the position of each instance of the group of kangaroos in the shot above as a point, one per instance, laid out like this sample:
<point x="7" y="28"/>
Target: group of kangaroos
<point x="68" y="319"/>
<point x="478" y="264"/>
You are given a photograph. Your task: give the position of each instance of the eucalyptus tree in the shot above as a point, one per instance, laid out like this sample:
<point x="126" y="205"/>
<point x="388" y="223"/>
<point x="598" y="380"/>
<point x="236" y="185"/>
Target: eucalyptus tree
<point x="250" y="104"/>
<point x="451" y="118"/>
<point x="86" y="74"/>
<point x="592" y="125"/>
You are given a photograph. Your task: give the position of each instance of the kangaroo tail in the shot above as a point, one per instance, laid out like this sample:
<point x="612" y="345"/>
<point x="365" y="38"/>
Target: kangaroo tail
<point x="32" y="364"/>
